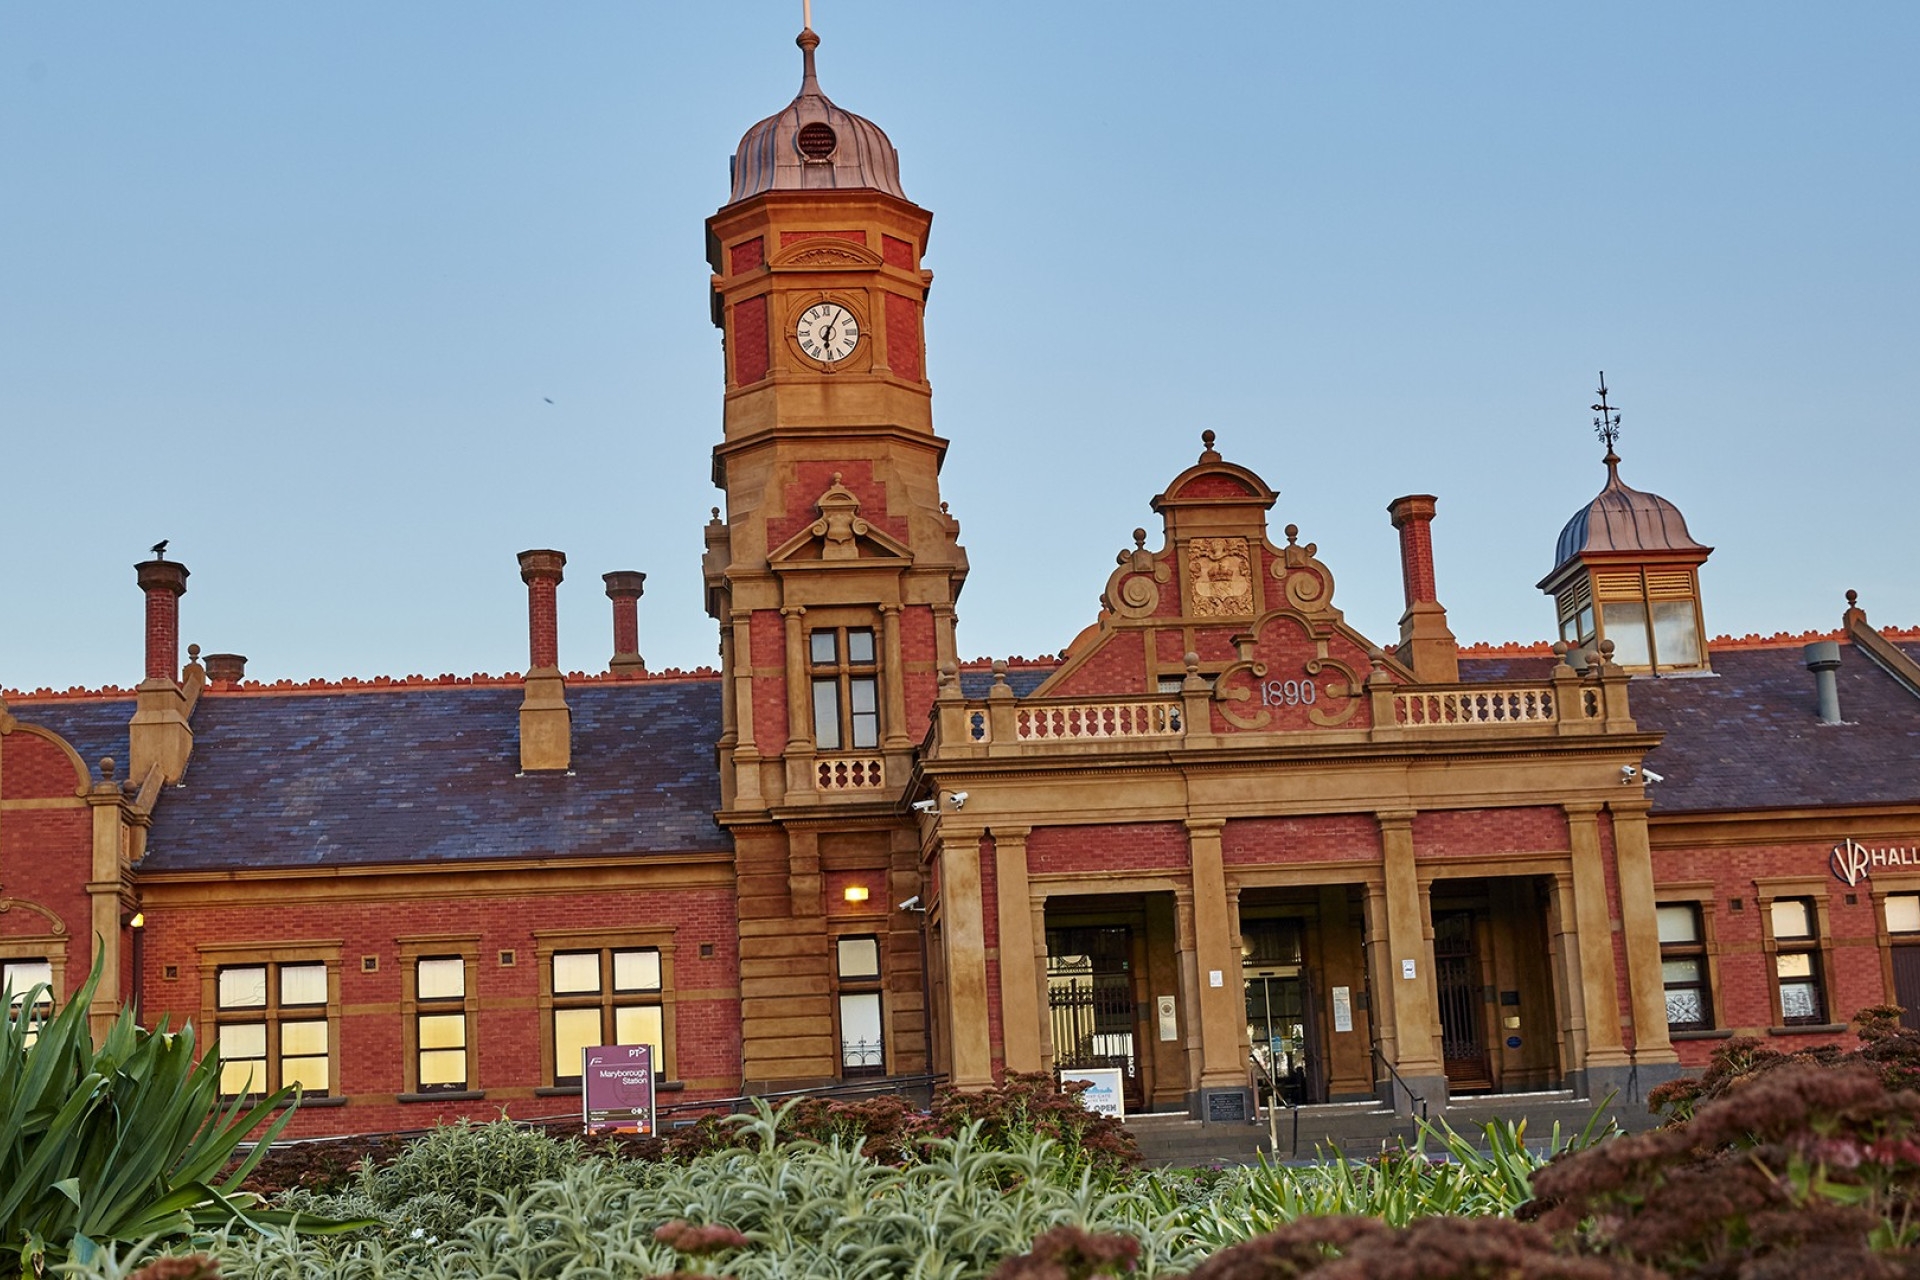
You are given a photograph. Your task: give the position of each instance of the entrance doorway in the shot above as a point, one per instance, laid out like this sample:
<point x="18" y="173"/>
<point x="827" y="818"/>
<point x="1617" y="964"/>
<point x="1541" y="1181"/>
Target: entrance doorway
<point x="1090" y="1002"/>
<point x="1906" y="983"/>
<point x="1456" y="969"/>
<point x="1282" y="1031"/>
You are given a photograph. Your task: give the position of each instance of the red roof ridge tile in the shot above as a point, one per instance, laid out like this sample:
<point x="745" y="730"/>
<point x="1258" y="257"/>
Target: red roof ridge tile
<point x="1507" y="649"/>
<point x="1017" y="660"/>
<point x="364" y="684"/>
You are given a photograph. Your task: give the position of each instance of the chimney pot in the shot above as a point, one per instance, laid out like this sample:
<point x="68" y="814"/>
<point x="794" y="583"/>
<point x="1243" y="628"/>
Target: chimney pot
<point x="164" y="582"/>
<point x="624" y="588"/>
<point x="1413" y="517"/>
<point x="226" y="668"/>
<point x="542" y="572"/>
<point x="1823" y="659"/>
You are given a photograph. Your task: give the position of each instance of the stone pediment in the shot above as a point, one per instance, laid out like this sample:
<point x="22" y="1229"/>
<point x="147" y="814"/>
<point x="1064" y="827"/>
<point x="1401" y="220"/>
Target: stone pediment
<point x="826" y="252"/>
<point x="839" y="536"/>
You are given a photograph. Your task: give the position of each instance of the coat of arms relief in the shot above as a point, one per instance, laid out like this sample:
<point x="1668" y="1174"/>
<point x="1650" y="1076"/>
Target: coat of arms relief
<point x="1219" y="578"/>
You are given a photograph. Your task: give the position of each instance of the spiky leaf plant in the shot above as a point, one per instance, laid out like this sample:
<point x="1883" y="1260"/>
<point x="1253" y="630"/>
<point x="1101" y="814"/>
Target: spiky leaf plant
<point x="123" y="1142"/>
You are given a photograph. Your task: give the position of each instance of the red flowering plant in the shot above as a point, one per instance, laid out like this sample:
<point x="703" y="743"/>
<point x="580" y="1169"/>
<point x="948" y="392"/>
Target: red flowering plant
<point x="1802" y="1168"/>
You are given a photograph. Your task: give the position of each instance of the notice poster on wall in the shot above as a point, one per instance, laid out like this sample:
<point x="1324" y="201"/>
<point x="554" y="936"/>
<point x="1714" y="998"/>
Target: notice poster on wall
<point x="1343" y="1009"/>
<point x="616" y="1087"/>
<point x="1103" y="1095"/>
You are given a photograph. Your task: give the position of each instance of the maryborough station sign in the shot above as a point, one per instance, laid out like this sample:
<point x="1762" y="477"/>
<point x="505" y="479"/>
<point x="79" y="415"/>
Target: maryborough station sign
<point x="1853" y="862"/>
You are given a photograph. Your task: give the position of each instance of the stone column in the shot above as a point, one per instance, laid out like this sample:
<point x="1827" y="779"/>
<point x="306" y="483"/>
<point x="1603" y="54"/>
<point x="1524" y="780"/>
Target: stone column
<point x="1223" y="1076"/>
<point x="1410" y="947"/>
<point x="799" y="704"/>
<point x="1019" y="984"/>
<point x="1640" y="932"/>
<point x="1037" y="929"/>
<point x="1568" y="992"/>
<point x="1189" y="988"/>
<point x="1606" y="1059"/>
<point x="963" y="942"/>
<point x="1381" y="972"/>
<point x="893" y="682"/>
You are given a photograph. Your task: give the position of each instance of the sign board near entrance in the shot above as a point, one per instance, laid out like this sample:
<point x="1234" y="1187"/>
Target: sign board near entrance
<point x="1103" y="1095"/>
<point x="1342" y="1009"/>
<point x="616" y="1087"/>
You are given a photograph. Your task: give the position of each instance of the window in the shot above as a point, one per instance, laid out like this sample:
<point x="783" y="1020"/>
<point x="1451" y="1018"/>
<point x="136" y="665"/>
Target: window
<point x="273" y="1027"/>
<point x="846" y="688"/>
<point x="1651" y="615"/>
<point x="1683" y="967"/>
<point x="440" y="1024"/>
<point x="1796" y="963"/>
<point x="1903" y="913"/>
<point x="606" y="995"/>
<point x="18" y="978"/>
<point x="862" y="1044"/>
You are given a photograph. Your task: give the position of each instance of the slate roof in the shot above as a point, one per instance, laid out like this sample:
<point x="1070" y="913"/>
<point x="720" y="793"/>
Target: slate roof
<point x="94" y="729"/>
<point x="1749" y="737"/>
<point x="428" y="775"/>
<point x="1022" y="680"/>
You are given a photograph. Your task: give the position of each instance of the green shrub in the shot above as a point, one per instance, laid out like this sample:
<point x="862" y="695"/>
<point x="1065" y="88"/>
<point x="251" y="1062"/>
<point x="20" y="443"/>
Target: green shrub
<point x="119" y="1143"/>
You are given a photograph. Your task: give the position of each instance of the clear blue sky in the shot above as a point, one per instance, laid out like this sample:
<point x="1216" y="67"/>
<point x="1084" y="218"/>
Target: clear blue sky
<point x="292" y="284"/>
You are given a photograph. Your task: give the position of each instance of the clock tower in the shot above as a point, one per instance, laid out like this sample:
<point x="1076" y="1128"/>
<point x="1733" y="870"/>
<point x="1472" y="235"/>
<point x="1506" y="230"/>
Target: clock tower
<point x="832" y="573"/>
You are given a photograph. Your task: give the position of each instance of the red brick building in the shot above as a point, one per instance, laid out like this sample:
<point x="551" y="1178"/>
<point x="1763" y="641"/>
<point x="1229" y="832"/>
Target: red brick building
<point x="1223" y="825"/>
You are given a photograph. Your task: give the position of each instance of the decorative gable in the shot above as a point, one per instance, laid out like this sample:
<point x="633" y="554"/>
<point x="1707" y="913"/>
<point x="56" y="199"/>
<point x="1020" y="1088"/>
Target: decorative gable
<point x="840" y="535"/>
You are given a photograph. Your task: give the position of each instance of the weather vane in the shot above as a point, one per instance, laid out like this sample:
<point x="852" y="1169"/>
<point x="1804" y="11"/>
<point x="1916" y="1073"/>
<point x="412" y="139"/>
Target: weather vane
<point x="1607" y="425"/>
<point x="806" y="14"/>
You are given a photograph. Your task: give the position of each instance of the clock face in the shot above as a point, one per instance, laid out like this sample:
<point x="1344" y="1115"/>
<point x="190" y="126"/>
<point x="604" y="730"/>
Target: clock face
<point x="828" y="332"/>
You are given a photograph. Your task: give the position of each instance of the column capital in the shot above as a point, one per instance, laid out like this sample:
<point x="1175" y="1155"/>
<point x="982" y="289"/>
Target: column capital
<point x="1013" y="833"/>
<point x="1585" y="809"/>
<point x="793" y="612"/>
<point x="1206" y="826"/>
<point x="1630" y="807"/>
<point x="1399" y="818"/>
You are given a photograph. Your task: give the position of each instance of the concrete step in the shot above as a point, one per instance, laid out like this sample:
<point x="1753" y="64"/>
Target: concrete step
<point x="1360" y="1129"/>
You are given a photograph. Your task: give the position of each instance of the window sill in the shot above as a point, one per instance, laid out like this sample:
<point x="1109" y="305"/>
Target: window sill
<point x="1725" y="1033"/>
<point x="573" y="1090"/>
<point x="1811" y="1029"/>
<point x="331" y="1100"/>
<point x="444" y="1095"/>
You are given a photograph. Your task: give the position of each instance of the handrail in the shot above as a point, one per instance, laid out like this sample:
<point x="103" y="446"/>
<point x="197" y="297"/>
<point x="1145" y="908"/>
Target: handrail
<point x="1275" y="1095"/>
<point x="1401" y="1080"/>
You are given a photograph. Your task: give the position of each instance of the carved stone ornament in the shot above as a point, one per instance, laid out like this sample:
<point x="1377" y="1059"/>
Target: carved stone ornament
<point x="1133" y="590"/>
<point x="839" y="527"/>
<point x="1308" y="583"/>
<point x="58" y="927"/>
<point x="1219" y="578"/>
<point x="1248" y="692"/>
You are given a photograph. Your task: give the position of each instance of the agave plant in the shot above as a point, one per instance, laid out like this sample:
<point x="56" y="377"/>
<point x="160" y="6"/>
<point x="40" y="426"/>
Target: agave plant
<point x="123" y="1142"/>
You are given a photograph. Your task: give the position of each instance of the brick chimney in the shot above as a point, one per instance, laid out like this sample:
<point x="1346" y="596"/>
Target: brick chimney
<point x="1426" y="643"/>
<point x="546" y="726"/>
<point x="624" y="588"/>
<point x="159" y="736"/>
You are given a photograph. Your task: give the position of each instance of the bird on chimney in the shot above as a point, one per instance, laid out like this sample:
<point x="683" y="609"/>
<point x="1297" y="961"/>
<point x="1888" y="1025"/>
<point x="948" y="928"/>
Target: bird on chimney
<point x="160" y="549"/>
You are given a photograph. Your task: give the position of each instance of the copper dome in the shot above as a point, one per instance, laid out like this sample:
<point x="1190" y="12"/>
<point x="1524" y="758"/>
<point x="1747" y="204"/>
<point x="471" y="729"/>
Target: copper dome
<point x="1621" y="518"/>
<point x="814" y="145"/>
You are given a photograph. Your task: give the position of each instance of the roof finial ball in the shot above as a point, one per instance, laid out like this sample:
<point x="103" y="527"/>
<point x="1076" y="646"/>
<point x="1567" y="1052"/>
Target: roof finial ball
<point x="1207" y="453"/>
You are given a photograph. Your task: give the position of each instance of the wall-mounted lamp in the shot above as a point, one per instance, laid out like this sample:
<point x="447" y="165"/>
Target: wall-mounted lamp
<point x="139" y="920"/>
<point x="855" y="893"/>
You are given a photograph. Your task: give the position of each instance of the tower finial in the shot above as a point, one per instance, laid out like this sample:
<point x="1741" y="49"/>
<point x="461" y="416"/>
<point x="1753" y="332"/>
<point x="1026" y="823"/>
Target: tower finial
<point x="808" y="42"/>
<point x="1607" y="425"/>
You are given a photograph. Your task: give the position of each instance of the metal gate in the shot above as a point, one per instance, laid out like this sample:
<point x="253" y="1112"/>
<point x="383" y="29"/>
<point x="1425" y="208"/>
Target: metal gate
<point x="1090" y="1000"/>
<point x="1456" y="971"/>
<point x="1906" y="983"/>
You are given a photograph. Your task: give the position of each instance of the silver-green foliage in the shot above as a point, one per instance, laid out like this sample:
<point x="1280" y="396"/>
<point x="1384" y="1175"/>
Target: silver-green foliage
<point x="1443" y="1172"/>
<point x="806" y="1210"/>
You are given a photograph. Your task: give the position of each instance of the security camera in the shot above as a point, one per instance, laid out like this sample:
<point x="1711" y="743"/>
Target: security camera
<point x="1628" y="773"/>
<point x="959" y="799"/>
<point x="1651" y="776"/>
<point x="925" y="806"/>
<point x="911" y="904"/>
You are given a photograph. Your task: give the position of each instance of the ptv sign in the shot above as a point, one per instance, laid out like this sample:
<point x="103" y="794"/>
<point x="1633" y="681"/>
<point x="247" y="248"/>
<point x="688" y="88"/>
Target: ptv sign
<point x="616" y="1087"/>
